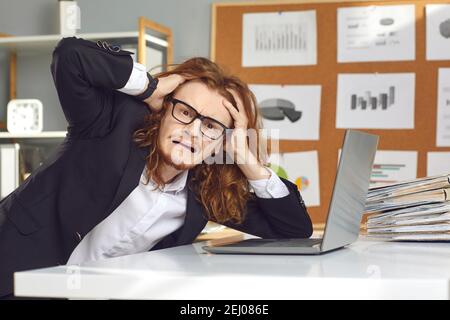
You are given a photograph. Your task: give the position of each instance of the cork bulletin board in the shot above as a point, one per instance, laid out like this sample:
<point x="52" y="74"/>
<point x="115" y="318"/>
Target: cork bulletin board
<point x="226" y="49"/>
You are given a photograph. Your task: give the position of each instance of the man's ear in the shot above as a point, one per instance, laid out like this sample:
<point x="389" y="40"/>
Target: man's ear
<point x="166" y="100"/>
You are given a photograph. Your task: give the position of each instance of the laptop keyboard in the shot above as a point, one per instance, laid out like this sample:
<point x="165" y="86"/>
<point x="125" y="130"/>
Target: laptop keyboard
<point x="277" y="243"/>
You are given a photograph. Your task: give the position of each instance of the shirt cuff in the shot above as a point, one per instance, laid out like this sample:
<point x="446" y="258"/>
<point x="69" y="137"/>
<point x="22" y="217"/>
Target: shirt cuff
<point x="271" y="187"/>
<point x="137" y="82"/>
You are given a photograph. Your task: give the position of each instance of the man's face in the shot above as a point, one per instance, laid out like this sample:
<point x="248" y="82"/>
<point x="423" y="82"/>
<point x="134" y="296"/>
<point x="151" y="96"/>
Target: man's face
<point x="184" y="145"/>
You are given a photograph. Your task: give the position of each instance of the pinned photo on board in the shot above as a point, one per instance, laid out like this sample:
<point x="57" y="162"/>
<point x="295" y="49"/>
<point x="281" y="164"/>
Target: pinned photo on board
<point x="279" y="38"/>
<point x="376" y="33"/>
<point x="438" y="31"/>
<point x="290" y="112"/>
<point x="375" y="101"/>
<point x="301" y="168"/>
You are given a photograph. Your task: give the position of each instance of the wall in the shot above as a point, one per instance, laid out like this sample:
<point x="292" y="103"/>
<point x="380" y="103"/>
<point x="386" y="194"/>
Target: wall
<point x="190" y="21"/>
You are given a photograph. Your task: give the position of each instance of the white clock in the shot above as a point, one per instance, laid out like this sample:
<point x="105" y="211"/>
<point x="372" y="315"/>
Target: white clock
<point x="24" y="116"/>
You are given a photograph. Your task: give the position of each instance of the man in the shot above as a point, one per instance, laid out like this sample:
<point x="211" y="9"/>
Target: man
<point x="134" y="172"/>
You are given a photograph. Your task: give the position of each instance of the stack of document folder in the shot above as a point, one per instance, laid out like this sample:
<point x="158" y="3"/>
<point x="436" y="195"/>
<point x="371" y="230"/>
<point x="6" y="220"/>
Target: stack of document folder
<point x="416" y="210"/>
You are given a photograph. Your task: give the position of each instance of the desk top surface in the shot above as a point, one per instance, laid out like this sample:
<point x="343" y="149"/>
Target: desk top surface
<point x="426" y="263"/>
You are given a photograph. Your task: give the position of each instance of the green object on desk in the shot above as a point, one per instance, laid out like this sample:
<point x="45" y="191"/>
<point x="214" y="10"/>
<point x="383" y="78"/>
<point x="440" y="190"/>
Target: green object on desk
<point x="279" y="171"/>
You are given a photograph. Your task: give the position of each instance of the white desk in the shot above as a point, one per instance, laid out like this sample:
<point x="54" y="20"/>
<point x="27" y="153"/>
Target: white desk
<point x="364" y="270"/>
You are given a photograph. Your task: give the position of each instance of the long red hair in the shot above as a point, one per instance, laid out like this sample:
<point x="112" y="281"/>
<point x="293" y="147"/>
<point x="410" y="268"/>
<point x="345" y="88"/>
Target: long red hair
<point x="222" y="189"/>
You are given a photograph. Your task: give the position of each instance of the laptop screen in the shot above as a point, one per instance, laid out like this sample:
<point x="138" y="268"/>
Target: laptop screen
<point x="350" y="189"/>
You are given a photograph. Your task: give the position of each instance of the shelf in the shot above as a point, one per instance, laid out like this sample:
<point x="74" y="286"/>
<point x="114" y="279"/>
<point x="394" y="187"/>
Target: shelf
<point x="45" y="43"/>
<point x="40" y="135"/>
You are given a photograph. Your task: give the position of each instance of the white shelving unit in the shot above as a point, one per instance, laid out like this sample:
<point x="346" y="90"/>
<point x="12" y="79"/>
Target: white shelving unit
<point x="31" y="149"/>
<point x="40" y="135"/>
<point x="25" y="45"/>
<point x="148" y="34"/>
<point x="44" y="44"/>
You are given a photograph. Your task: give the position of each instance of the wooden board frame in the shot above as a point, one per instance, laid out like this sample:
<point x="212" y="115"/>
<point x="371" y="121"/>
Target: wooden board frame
<point x="226" y="50"/>
<point x="144" y="24"/>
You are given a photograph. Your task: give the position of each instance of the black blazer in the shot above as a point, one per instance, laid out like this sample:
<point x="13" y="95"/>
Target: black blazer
<point x="98" y="165"/>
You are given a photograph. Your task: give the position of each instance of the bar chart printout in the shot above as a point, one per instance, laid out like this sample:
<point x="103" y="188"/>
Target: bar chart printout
<point x="369" y="100"/>
<point x="279" y="39"/>
<point x="393" y="166"/>
<point x="375" y="101"/>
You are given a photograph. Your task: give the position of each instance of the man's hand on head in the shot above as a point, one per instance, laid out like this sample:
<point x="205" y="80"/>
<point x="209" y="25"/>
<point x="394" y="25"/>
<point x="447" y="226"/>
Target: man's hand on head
<point x="166" y="85"/>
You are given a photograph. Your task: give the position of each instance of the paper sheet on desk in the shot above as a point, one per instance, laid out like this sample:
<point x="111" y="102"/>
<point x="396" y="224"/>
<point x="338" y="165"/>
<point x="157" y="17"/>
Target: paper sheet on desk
<point x="441" y="228"/>
<point x="408" y="187"/>
<point x="412" y="237"/>
<point x="410" y="221"/>
<point x="428" y="209"/>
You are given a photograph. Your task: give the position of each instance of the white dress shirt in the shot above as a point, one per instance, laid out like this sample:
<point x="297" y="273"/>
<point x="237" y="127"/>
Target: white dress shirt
<point x="148" y="214"/>
<point x="137" y="81"/>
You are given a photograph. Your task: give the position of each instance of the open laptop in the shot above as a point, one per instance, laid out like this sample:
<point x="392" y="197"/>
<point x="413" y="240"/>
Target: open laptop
<point x="345" y="210"/>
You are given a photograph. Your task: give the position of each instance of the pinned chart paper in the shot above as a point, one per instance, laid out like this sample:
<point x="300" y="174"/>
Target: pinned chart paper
<point x="438" y="31"/>
<point x="375" y="101"/>
<point x="301" y="168"/>
<point x="438" y="163"/>
<point x="443" y="108"/>
<point x="279" y="39"/>
<point x="376" y="33"/>
<point x="293" y="111"/>
<point x="392" y="167"/>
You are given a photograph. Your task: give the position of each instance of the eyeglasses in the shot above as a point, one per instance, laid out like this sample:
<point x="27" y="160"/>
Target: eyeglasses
<point x="186" y="114"/>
